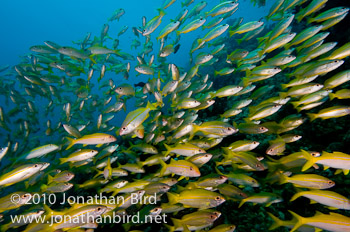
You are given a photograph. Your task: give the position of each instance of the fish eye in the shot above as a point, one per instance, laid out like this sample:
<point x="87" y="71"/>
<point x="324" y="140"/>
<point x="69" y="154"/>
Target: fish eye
<point x="330" y="182"/>
<point x="191" y="168"/>
<point x="241" y="194"/>
<point x="222" y="177"/>
<point x="217" y="198"/>
<point x="212" y="216"/>
<point x="35" y="166"/>
<point x="24" y="196"/>
<point x="99" y="209"/>
<point x="124" y="128"/>
<point x="262" y="128"/>
<point x="314" y="154"/>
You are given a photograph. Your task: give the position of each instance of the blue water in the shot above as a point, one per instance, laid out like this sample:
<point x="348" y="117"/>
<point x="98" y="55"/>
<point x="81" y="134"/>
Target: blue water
<point x="28" y="23"/>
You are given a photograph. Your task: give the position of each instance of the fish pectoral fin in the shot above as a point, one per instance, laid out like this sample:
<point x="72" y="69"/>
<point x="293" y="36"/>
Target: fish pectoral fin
<point x="99" y="145"/>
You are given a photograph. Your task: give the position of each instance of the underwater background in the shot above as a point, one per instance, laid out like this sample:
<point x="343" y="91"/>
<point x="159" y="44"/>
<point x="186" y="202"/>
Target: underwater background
<point x="42" y="89"/>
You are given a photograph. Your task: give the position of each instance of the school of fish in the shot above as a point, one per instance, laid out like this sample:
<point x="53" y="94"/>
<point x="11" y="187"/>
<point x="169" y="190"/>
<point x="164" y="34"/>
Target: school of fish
<point x="190" y="137"/>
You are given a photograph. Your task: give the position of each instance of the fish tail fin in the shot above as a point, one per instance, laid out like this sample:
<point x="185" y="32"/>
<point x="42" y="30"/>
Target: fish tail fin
<point x="200" y="41"/>
<point x="295" y="196"/>
<point x="261" y="53"/>
<point x="98" y="173"/>
<point x="283" y="178"/>
<point x="173" y="198"/>
<point x="299" y="18"/>
<point x="284" y="86"/>
<point x="124" y="107"/>
<point x="164" y="166"/>
<point x="216" y="73"/>
<point x="71" y="142"/>
<point x="49" y="179"/>
<point x="248" y="72"/>
<point x="48" y="210"/>
<point x="169" y="227"/>
<point x="161" y="12"/>
<point x="168" y="149"/>
<point x="311" y="116"/>
<point x="246" y="81"/>
<point x="107" y="172"/>
<point x="276" y="222"/>
<point x="62" y="160"/>
<point x="299" y="219"/>
<point x="310" y="20"/>
<point x="295" y="104"/>
<point x="152" y="106"/>
<point x="283" y="94"/>
<point x="310" y="160"/>
<point x="261" y="39"/>
<point x="116" y="51"/>
<point x="177" y="222"/>
<point x="241" y="203"/>
<point x="195" y="128"/>
<point x="331" y="96"/>
<point x="131" y="145"/>
<point x="219" y="172"/>
<point x="92" y="60"/>
<point x="115" y="192"/>
<point x="212" y="95"/>
<point x="231" y="33"/>
<point x="287" y="46"/>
